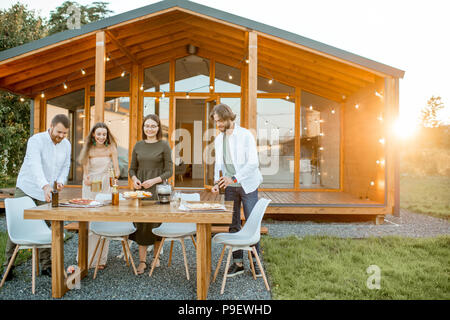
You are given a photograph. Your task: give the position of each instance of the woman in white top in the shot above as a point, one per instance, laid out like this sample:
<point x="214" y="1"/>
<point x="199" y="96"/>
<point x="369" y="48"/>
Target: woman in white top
<point x="98" y="157"/>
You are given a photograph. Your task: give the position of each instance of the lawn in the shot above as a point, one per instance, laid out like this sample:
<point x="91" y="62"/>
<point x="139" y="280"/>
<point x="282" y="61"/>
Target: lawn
<point x="22" y="256"/>
<point x="318" y="267"/>
<point x="428" y="195"/>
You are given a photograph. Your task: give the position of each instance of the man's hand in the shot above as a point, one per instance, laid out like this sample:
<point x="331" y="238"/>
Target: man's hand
<point x="215" y="189"/>
<point x="225" y="182"/>
<point x="47" y="192"/>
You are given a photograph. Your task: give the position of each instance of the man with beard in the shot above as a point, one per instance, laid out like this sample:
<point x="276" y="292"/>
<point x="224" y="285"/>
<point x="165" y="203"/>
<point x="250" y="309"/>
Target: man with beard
<point x="237" y="157"/>
<point x="47" y="159"/>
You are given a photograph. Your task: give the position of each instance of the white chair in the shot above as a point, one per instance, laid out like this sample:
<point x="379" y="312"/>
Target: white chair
<point x="245" y="239"/>
<point x="26" y="234"/>
<point x="112" y="231"/>
<point x="172" y="231"/>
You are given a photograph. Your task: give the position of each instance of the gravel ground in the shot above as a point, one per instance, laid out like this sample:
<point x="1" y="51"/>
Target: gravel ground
<point x="117" y="281"/>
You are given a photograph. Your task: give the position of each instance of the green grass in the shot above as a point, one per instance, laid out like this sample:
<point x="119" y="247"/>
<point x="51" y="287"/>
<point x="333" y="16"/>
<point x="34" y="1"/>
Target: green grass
<point x="318" y="267"/>
<point x="428" y="195"/>
<point x="22" y="256"/>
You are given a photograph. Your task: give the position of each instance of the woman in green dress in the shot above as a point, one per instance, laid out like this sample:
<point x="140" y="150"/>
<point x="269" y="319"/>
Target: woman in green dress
<point x="151" y="163"/>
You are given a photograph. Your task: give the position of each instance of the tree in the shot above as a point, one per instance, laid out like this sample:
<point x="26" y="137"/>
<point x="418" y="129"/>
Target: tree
<point x="429" y="114"/>
<point x="89" y="13"/>
<point x="18" y="25"/>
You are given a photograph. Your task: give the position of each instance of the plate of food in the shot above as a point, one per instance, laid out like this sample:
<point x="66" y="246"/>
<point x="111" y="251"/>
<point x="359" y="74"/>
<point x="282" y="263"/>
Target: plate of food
<point x="202" y="206"/>
<point x="137" y="194"/>
<point x="82" y="203"/>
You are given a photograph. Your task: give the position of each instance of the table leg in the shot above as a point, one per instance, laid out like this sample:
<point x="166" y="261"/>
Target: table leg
<point x="59" y="287"/>
<point x="203" y="259"/>
<point x="83" y="237"/>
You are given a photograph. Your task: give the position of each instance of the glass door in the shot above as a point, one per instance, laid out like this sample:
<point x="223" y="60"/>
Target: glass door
<point x="209" y="134"/>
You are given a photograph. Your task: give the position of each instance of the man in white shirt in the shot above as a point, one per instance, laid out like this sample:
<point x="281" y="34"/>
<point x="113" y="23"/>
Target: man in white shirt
<point x="47" y="159"/>
<point x="237" y="157"/>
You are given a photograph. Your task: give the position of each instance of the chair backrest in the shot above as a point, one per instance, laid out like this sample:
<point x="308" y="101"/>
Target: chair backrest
<point x="18" y="227"/>
<point x="252" y="227"/>
<point x="106" y="196"/>
<point x="190" y="196"/>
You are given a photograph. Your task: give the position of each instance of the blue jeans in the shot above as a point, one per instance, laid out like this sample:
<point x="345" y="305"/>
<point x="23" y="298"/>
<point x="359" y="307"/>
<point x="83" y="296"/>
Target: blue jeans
<point x="238" y="195"/>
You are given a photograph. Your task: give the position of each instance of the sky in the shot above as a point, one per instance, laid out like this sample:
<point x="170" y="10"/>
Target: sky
<point x="410" y="35"/>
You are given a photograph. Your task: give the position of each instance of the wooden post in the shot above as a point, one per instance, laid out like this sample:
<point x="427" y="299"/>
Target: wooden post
<point x="134" y="100"/>
<point x="297" y="138"/>
<point x="100" y="60"/>
<point x="392" y="171"/>
<point x="172" y="112"/>
<point x="252" y="79"/>
<point x="87" y="110"/>
<point x="37" y="114"/>
<point x="140" y="109"/>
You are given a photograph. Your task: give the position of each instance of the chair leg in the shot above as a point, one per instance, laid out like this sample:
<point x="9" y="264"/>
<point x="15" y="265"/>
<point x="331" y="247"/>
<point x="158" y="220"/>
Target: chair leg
<point x="125" y="252"/>
<point x="156" y="257"/>
<point x="261" y="268"/>
<point x="226" y="271"/>
<point x="11" y="262"/>
<point x="129" y="253"/>
<point x="251" y="265"/>
<point x="218" y="263"/>
<point x="99" y="256"/>
<point x="170" y="253"/>
<point x="95" y="251"/>
<point x="37" y="262"/>
<point x="33" y="270"/>
<point x="185" y="258"/>
<point x="193" y="242"/>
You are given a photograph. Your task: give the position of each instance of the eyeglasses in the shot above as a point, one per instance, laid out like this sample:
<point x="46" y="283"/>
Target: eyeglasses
<point x="150" y="127"/>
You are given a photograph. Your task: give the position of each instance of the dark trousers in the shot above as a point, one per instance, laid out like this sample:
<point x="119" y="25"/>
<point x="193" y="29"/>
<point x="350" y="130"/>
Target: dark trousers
<point x="44" y="254"/>
<point x="238" y="196"/>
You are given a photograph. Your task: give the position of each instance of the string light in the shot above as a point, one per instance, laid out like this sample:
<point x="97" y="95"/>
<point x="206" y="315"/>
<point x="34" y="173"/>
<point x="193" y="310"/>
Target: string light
<point x="270" y="81"/>
<point x="310" y="107"/>
<point x="378" y="94"/>
<point x="211" y="87"/>
<point x="108" y="58"/>
<point x="83" y="72"/>
<point x="381" y="141"/>
<point x="65" y="86"/>
<point x="356" y="106"/>
<point x="142" y="87"/>
<point x="333" y="111"/>
<point x="123" y="74"/>
<point x="187" y="95"/>
<point x="42" y="94"/>
<point x="230" y="76"/>
<point x="163" y="95"/>
<point x="372" y="183"/>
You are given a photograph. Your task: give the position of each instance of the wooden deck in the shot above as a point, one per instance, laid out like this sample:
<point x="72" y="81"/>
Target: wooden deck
<point x="282" y="202"/>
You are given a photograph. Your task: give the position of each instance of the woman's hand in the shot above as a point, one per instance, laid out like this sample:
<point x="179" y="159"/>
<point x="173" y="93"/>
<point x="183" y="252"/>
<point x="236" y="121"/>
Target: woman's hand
<point x="136" y="183"/>
<point x="149" y="183"/>
<point x="87" y="181"/>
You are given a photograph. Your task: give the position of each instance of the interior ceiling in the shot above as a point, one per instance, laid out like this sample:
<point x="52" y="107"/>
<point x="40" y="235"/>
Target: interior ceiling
<point x="166" y="36"/>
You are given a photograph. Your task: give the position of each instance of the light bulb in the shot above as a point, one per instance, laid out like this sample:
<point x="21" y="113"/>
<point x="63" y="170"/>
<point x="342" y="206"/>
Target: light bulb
<point x="83" y="72"/>
<point x="65" y="86"/>
<point x="270" y="81"/>
<point x="122" y="74"/>
<point x="42" y="95"/>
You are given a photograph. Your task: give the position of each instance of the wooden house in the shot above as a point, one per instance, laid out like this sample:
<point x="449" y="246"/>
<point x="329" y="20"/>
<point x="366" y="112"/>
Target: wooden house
<point x="321" y="116"/>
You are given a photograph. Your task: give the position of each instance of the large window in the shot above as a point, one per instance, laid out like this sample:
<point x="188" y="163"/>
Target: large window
<point x="160" y="107"/>
<point x="227" y="79"/>
<point x="72" y="105"/>
<point x="156" y="78"/>
<point x="275" y="140"/>
<point x="192" y="74"/>
<point x="319" y="143"/>
<point x="117" y="118"/>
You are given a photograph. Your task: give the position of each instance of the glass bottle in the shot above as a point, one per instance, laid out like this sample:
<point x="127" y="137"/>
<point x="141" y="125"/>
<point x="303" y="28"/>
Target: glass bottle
<point x="55" y="195"/>
<point x="115" y="194"/>
<point x="111" y="177"/>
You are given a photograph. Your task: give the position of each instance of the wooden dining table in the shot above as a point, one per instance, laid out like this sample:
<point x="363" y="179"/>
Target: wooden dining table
<point x="127" y="211"/>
